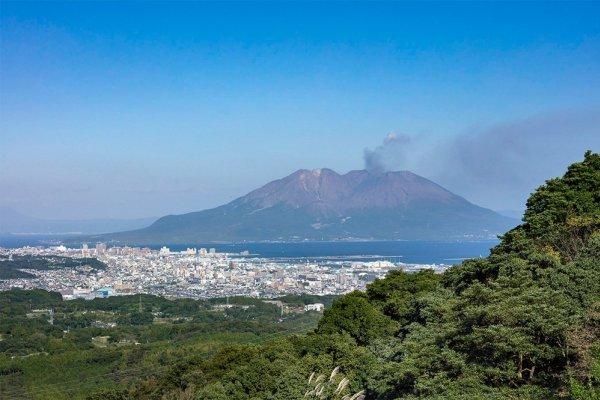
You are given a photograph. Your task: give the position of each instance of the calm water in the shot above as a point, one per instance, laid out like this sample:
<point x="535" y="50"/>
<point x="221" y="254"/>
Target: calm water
<point x="420" y="252"/>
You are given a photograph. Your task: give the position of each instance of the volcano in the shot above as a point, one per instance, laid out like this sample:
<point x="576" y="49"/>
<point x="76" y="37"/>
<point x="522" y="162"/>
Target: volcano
<point x="321" y="204"/>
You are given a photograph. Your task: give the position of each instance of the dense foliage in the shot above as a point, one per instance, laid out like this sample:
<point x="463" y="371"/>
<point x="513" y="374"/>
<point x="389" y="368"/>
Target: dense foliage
<point x="55" y="349"/>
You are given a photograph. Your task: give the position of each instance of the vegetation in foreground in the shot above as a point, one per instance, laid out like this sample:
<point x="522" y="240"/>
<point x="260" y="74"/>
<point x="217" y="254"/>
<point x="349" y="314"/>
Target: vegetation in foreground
<point x="88" y="346"/>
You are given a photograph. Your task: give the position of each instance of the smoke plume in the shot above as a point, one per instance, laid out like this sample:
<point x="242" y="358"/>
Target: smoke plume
<point x="496" y="166"/>
<point x="390" y="154"/>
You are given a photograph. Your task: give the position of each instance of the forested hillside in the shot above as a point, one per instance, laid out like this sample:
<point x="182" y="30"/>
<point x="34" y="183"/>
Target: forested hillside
<point x="54" y="349"/>
<point x="523" y="323"/>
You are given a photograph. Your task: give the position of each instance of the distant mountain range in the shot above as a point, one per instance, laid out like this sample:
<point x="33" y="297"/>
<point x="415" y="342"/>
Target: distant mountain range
<point x="12" y="221"/>
<point x="324" y="205"/>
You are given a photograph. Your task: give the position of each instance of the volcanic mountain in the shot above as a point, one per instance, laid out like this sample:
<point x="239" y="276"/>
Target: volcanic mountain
<point x="324" y="205"/>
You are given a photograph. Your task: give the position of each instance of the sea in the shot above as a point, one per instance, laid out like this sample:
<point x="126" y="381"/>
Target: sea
<point x="410" y="252"/>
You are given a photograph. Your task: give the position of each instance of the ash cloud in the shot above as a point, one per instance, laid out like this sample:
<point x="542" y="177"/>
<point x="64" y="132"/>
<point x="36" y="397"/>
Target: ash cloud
<point x="500" y="165"/>
<point x="391" y="153"/>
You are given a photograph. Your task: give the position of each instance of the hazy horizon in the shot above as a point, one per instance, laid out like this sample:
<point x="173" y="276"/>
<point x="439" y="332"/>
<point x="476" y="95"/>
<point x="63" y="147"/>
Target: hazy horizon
<point x="132" y="110"/>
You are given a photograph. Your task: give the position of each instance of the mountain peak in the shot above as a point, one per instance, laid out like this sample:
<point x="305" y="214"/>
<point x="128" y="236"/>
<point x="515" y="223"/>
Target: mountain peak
<point x="317" y="172"/>
<point x="321" y="204"/>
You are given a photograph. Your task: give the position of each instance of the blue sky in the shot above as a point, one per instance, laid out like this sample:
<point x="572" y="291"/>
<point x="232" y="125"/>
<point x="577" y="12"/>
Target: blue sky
<point x="144" y="109"/>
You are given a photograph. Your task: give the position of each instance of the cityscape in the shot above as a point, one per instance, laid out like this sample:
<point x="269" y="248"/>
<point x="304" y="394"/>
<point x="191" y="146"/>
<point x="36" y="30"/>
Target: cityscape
<point x="200" y="273"/>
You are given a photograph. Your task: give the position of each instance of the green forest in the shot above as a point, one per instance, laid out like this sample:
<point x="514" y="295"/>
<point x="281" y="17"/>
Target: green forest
<point x="523" y="323"/>
<point x="55" y="349"/>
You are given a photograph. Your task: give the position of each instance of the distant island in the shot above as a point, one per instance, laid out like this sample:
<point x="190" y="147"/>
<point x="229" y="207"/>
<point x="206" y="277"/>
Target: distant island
<point x="321" y="204"/>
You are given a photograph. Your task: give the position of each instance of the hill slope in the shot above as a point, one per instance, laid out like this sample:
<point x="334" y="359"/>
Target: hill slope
<point x="324" y="205"/>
